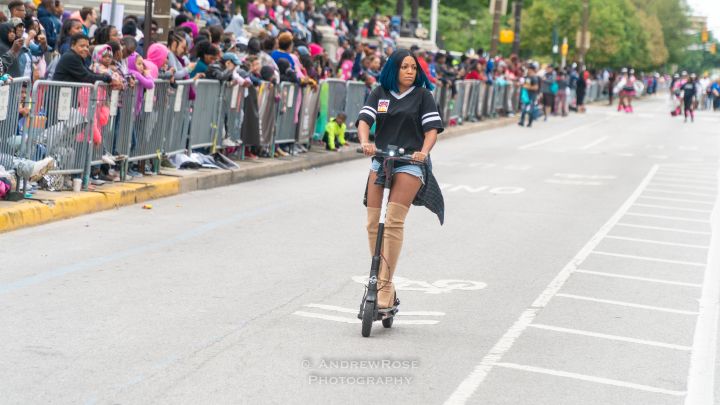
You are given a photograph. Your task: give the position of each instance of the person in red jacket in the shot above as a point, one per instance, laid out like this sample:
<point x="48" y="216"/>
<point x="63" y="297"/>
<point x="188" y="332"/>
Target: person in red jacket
<point x="421" y="55"/>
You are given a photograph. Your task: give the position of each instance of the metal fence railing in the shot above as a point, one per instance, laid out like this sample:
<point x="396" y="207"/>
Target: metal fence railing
<point x="77" y="124"/>
<point x="11" y="137"/>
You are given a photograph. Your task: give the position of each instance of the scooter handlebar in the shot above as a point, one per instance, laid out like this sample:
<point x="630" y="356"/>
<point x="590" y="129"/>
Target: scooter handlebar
<point x="400" y="154"/>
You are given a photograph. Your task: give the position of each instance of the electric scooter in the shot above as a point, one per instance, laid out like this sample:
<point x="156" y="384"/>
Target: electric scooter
<point x="369" y="311"/>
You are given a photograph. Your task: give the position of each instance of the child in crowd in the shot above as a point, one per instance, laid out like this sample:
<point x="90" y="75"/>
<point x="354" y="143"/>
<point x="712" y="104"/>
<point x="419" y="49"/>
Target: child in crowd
<point x="335" y="128"/>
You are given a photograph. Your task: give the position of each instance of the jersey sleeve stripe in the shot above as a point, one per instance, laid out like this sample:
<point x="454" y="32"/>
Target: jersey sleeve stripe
<point x="368" y="113"/>
<point x="429" y="114"/>
<point x="431" y="119"/>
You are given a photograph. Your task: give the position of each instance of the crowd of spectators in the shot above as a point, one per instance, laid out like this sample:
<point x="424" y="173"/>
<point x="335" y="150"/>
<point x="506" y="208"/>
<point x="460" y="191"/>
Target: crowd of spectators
<point x="269" y="41"/>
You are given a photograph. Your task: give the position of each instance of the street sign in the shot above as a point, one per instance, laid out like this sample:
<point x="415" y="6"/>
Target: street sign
<point x="503" y="7"/>
<point x="507" y="36"/>
<point x="587" y="40"/>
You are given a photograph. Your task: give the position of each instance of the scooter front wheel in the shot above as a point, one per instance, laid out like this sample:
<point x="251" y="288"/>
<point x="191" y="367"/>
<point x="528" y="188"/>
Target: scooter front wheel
<point x="368" y="317"/>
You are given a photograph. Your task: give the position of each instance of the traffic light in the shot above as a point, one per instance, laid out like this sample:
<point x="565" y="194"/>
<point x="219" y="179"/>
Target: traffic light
<point x="704" y="36"/>
<point x="713" y="48"/>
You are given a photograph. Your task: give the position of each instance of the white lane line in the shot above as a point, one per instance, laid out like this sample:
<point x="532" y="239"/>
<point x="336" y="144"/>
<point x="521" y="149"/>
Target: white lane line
<point x="687" y="175"/>
<point x="651" y="280"/>
<point x="638" y="214"/>
<point x="589" y="378"/>
<point x="675" y="199"/>
<point x="326" y="317"/>
<point x="657" y="242"/>
<point x="655" y="190"/>
<point x="683" y="180"/>
<point x="660" y="228"/>
<point x="562" y="134"/>
<point x="685" y="186"/>
<point x="470" y="384"/>
<point x="355" y="320"/>
<point x="701" y="377"/>
<point x="595" y="143"/>
<point x="355" y="311"/>
<point x="649" y="259"/>
<point x="610" y="337"/>
<point x="627" y="304"/>
<point x="575" y="182"/>
<point x="667" y="207"/>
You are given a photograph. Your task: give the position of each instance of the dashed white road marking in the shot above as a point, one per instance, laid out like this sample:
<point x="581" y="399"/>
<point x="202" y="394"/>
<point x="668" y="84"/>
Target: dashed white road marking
<point x="562" y="135"/>
<point x="610" y="337"/>
<point x="575" y="182"/>
<point x="649" y="259"/>
<point x="678" y="192"/>
<point x="656" y="242"/>
<point x="355" y="320"/>
<point x="660" y="228"/>
<point x="594" y="143"/>
<point x="675" y="199"/>
<point x="650" y="280"/>
<point x="354" y="311"/>
<point x="626" y="304"/>
<point x="599" y="380"/>
<point x="672" y="208"/>
<point x="470" y="384"/>
<point x="684" y="186"/>
<point x="683" y="180"/>
<point x="637" y="214"/>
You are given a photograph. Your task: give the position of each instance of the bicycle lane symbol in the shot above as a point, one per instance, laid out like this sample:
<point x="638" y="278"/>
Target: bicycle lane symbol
<point x="437" y="287"/>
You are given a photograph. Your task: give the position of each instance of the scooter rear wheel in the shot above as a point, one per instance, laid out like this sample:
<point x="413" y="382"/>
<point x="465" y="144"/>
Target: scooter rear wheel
<point x="387" y="322"/>
<point x="368" y="317"/>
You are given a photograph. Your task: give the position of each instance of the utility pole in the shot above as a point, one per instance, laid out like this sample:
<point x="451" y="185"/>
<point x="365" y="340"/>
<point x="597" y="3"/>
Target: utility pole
<point x="147" y="40"/>
<point x="517" y="7"/>
<point x="584" y="31"/>
<point x="433" y="21"/>
<point x="496" y="28"/>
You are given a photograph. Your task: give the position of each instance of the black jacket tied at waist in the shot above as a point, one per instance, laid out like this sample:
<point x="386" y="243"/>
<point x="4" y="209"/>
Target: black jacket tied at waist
<point x="429" y="195"/>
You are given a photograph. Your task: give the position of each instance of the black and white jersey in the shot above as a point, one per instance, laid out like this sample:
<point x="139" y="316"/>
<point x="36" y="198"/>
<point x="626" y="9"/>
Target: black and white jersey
<point x="402" y="119"/>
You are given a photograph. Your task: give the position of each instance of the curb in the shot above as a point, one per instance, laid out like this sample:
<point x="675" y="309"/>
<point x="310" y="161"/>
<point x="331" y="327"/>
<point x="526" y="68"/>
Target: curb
<point x="47" y="207"/>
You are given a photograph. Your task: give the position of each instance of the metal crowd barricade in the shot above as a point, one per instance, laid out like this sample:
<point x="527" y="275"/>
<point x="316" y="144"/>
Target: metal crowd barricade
<point x="178" y="124"/>
<point x="115" y="113"/>
<point x="458" y="102"/>
<point x="287" y="113"/>
<point x="149" y="122"/>
<point x="499" y="90"/>
<point x="332" y="101"/>
<point x="467" y="89"/>
<point x="488" y="101"/>
<point x="267" y="108"/>
<point x="308" y="115"/>
<point x="354" y="102"/>
<point x="232" y="111"/>
<point x="514" y="97"/>
<point x="11" y="140"/>
<point x="204" y="122"/>
<point x="473" y="101"/>
<point x="62" y="122"/>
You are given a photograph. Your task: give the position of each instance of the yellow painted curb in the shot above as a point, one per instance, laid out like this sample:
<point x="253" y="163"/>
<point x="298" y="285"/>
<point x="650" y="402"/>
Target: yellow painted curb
<point x="30" y="213"/>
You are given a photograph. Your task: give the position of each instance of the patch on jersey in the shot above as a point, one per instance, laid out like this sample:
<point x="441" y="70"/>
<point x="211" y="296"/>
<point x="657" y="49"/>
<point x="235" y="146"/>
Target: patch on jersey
<point x="383" y="106"/>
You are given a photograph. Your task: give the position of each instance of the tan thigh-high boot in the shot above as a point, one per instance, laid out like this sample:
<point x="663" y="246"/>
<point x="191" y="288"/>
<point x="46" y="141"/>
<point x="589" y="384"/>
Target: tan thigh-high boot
<point x="373" y="223"/>
<point x="392" y="244"/>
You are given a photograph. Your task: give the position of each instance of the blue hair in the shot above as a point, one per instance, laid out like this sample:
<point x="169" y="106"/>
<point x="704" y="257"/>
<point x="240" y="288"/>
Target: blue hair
<point x="389" y="74"/>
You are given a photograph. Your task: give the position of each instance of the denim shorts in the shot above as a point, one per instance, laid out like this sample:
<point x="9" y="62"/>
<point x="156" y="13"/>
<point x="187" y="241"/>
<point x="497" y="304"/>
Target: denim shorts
<point x="413" y="170"/>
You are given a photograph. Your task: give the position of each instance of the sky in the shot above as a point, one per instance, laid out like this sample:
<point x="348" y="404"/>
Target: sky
<point x="711" y="9"/>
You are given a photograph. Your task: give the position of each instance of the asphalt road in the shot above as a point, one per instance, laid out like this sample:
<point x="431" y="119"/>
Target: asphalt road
<point x="573" y="268"/>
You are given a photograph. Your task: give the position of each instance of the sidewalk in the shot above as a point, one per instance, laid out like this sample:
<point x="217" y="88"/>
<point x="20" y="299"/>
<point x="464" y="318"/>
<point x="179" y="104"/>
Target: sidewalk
<point x="47" y="206"/>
